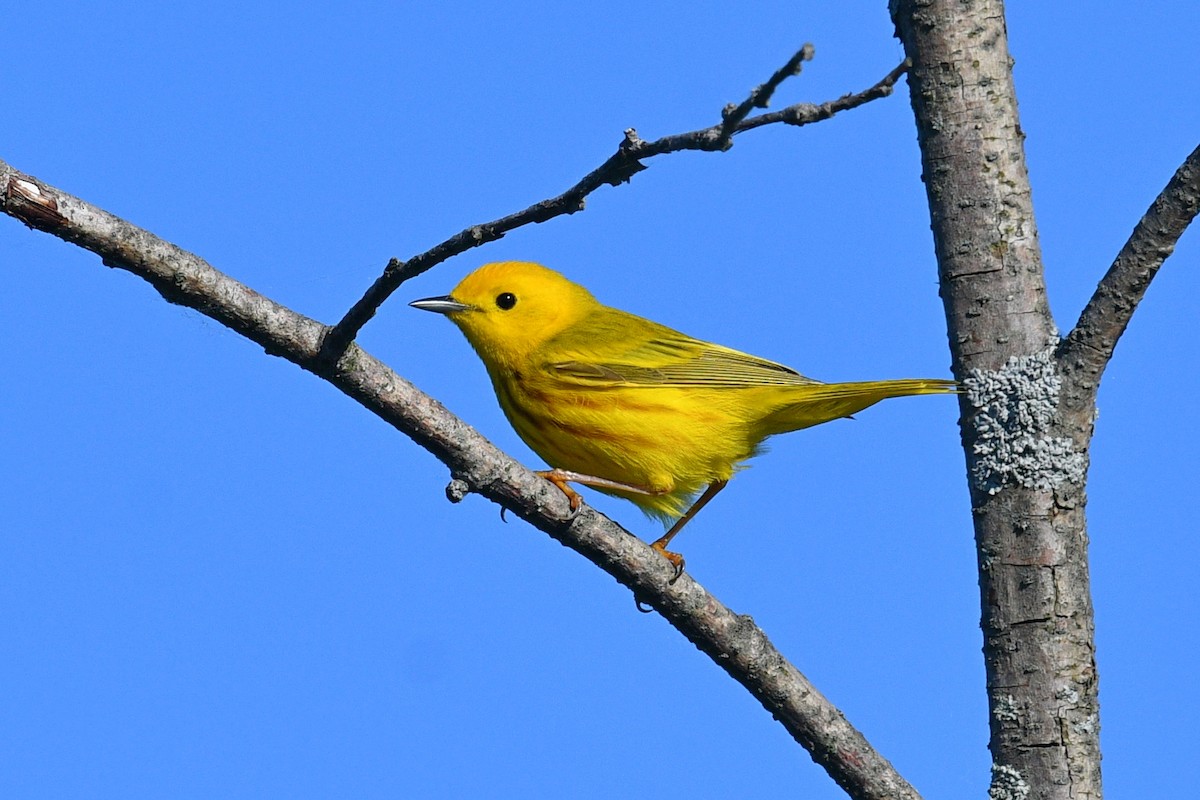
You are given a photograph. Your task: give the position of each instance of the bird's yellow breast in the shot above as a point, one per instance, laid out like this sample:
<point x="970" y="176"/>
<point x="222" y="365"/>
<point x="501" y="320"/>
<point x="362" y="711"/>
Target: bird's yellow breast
<point x="669" y="441"/>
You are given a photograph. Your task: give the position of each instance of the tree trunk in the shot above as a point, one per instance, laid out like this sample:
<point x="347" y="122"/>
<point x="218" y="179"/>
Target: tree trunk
<point x="1027" y="469"/>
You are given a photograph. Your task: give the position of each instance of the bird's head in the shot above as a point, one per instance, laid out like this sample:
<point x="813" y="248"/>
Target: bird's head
<point x="509" y="308"/>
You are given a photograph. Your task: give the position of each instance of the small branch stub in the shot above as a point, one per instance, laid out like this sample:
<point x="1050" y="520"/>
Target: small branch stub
<point x="456" y="490"/>
<point x="26" y="201"/>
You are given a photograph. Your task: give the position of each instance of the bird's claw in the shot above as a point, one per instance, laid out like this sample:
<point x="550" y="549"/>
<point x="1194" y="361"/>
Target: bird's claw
<point x="675" y="559"/>
<point x="574" y="499"/>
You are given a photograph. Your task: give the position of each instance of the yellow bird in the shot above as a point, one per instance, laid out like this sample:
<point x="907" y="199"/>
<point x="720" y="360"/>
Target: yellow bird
<point x="628" y="406"/>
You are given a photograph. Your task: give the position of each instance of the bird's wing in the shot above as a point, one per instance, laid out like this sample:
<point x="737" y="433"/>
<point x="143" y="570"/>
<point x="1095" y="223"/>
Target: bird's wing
<point x="660" y="356"/>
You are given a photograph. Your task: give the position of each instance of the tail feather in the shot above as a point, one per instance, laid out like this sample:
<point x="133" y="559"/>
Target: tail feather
<point x="815" y="403"/>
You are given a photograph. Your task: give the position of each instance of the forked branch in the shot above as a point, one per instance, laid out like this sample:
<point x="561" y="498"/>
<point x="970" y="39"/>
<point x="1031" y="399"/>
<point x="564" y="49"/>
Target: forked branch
<point x="1088" y="348"/>
<point x="619" y="168"/>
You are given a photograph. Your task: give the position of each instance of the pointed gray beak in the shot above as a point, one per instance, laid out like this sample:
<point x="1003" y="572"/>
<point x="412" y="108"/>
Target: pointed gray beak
<point x="441" y="305"/>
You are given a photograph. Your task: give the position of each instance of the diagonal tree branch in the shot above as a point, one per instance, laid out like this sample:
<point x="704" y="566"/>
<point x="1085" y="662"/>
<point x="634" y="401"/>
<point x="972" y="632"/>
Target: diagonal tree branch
<point x="1086" y="351"/>
<point x="733" y="641"/>
<point x="619" y="168"/>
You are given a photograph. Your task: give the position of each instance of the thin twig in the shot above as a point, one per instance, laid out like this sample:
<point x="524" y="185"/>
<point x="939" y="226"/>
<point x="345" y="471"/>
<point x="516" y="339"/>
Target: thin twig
<point x="1087" y="350"/>
<point x="733" y="641"/>
<point x="807" y="113"/>
<point x="619" y="168"/>
<point x="733" y="115"/>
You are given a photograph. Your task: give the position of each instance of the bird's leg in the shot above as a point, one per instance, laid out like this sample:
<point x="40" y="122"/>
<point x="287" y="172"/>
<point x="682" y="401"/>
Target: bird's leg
<point x="661" y="544"/>
<point x="560" y="477"/>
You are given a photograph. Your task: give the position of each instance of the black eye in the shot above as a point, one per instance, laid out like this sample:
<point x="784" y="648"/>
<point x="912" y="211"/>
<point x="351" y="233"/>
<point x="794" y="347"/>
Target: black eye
<point x="506" y="300"/>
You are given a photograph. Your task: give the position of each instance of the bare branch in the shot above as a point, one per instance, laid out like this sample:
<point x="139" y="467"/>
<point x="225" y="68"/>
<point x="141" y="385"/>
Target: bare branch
<point x="733" y="115"/>
<point x="620" y="167"/>
<point x="1088" y="348"/>
<point x="733" y="641"/>
<point x="807" y="113"/>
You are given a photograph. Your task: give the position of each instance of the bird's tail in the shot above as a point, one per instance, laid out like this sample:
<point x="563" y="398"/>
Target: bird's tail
<point x="812" y="404"/>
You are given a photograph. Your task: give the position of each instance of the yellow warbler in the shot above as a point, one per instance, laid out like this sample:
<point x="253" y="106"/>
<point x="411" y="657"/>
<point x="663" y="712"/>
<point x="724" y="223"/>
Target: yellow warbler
<point x="628" y="406"/>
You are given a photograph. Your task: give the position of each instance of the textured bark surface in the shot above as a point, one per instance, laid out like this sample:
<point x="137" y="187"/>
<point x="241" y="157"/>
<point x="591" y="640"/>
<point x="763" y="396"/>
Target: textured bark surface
<point x="1027" y="487"/>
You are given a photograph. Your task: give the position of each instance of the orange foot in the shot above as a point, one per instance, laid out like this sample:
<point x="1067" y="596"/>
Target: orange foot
<point x="676" y="560"/>
<point x="559" y="479"/>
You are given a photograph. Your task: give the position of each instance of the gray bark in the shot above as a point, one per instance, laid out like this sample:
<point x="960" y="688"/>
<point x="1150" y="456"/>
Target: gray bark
<point x="1027" y="472"/>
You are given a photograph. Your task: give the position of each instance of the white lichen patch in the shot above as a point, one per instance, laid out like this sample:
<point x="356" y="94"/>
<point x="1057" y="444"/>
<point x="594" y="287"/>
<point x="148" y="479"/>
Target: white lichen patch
<point x="1068" y="695"/>
<point x="1005" y="709"/>
<point x="1007" y="784"/>
<point x="1017" y="406"/>
<point x="1086" y="726"/>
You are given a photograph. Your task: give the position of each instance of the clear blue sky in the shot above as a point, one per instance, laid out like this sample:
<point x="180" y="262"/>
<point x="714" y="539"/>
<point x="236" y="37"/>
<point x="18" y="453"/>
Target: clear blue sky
<point x="221" y="578"/>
